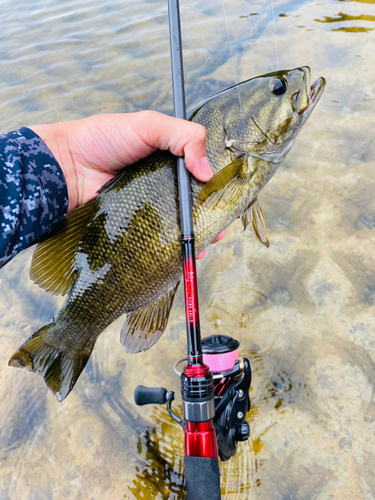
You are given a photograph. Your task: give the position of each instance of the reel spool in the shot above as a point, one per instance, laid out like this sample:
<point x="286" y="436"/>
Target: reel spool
<point x="220" y="354"/>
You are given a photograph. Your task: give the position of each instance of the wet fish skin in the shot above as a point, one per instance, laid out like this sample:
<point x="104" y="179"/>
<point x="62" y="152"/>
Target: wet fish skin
<point x="121" y="252"/>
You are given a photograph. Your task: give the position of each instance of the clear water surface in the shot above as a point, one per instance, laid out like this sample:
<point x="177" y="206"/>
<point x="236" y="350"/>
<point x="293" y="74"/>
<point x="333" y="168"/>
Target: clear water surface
<point x="309" y="333"/>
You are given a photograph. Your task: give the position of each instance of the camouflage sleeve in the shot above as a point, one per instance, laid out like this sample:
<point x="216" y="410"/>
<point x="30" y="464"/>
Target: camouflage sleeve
<point x="33" y="192"/>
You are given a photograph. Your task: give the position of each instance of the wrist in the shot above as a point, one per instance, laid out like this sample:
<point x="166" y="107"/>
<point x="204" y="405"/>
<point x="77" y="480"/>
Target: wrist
<point x="55" y="136"/>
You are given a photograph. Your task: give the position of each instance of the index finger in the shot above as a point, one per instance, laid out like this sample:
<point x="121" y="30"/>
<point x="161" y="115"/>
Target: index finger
<point x="183" y="138"/>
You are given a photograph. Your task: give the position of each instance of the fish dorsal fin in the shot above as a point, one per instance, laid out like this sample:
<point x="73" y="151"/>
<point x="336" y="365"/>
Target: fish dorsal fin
<point x="255" y="214"/>
<point x="224" y="184"/>
<point x="141" y="329"/>
<point x="107" y="185"/>
<point x="53" y="264"/>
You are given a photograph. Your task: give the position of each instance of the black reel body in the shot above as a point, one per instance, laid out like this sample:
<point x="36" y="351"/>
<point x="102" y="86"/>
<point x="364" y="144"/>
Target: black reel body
<point x="231" y="386"/>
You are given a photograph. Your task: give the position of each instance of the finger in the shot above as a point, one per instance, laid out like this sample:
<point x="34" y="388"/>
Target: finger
<point x="197" y="165"/>
<point x="182" y="138"/>
<point x="201" y="255"/>
<point x="201" y="170"/>
<point x="110" y="142"/>
<point x="220" y="236"/>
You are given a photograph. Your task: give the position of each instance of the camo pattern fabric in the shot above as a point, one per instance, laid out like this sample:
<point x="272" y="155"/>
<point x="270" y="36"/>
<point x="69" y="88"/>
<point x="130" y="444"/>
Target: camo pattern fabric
<point x="33" y="192"/>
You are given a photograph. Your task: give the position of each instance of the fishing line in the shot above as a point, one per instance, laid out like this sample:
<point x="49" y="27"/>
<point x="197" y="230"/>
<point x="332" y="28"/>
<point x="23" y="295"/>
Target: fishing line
<point x="244" y="295"/>
<point x="274" y="35"/>
<point x="243" y="125"/>
<point x="234" y="66"/>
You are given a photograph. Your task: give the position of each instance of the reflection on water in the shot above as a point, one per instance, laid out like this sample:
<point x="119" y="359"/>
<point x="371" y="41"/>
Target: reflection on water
<point x="341" y="17"/>
<point x="27" y="414"/>
<point x="353" y="29"/>
<point x="344" y="17"/>
<point x="359" y="1"/>
<point x="303" y="310"/>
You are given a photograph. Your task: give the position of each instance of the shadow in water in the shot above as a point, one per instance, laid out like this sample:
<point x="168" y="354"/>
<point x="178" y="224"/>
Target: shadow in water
<point x="159" y="470"/>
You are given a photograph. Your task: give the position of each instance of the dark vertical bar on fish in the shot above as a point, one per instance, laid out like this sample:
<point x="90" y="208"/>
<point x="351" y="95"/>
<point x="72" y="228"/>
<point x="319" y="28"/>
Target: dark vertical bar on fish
<point x="184" y="192"/>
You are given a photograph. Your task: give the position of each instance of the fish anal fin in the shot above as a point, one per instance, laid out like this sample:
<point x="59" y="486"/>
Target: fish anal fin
<point x="53" y="264"/>
<point x="142" y="328"/>
<point x="218" y="191"/>
<point x="246" y="218"/>
<point x="59" y="367"/>
<point x="254" y="213"/>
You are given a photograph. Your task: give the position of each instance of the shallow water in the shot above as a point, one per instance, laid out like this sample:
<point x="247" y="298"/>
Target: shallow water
<point x="310" y="339"/>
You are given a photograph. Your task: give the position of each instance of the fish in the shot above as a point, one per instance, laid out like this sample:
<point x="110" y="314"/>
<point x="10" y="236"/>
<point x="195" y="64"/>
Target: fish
<point x="120" y="253"/>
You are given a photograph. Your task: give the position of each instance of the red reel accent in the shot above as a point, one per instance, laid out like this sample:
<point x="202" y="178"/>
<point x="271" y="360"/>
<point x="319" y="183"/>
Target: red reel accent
<point x="196" y="371"/>
<point x="200" y="439"/>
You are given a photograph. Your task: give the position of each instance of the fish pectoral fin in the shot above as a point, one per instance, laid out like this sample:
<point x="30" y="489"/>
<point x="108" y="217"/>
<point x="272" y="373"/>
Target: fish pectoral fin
<point x="53" y="264"/>
<point x="141" y="329"/>
<point x="217" y="192"/>
<point x="59" y="367"/>
<point x="254" y="213"/>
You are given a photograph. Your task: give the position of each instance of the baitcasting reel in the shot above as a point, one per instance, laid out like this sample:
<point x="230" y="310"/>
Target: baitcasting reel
<point x="231" y="380"/>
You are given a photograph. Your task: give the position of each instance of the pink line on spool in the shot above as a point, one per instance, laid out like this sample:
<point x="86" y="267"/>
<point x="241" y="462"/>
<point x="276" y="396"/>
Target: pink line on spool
<point x="221" y="362"/>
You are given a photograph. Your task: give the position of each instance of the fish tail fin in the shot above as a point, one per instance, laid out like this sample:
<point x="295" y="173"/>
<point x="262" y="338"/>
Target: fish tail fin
<point x="59" y="367"/>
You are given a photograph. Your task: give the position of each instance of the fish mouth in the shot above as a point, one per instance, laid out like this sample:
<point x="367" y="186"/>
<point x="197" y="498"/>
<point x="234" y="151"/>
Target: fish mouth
<point x="305" y="101"/>
<point x="316" y="91"/>
<point x="308" y="96"/>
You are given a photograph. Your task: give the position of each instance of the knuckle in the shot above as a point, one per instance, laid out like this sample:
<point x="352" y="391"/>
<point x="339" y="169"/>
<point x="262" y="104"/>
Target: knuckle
<point x="198" y="132"/>
<point x="201" y="132"/>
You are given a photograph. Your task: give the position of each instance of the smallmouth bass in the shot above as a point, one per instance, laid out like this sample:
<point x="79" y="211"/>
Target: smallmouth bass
<point x="121" y="252"/>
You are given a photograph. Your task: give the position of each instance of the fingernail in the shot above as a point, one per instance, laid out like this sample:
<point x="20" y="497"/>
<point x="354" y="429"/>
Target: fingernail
<point x="201" y="255"/>
<point x="219" y="237"/>
<point x="205" y="168"/>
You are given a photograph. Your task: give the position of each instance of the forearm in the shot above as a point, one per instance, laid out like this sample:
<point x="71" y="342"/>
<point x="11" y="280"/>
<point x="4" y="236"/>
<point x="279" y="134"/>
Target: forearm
<point x="33" y="193"/>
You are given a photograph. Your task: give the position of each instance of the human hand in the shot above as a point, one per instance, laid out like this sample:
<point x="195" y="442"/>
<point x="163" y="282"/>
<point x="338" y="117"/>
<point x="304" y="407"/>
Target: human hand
<point x="93" y="150"/>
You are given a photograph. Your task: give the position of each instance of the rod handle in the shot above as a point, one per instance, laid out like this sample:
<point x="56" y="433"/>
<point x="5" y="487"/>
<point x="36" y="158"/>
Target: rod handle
<point x="202" y="478"/>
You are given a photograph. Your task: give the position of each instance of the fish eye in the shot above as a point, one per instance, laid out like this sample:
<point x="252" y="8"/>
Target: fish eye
<point x="277" y="86"/>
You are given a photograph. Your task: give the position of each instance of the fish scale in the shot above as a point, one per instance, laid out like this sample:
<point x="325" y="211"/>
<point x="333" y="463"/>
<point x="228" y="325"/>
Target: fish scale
<point x="121" y="252"/>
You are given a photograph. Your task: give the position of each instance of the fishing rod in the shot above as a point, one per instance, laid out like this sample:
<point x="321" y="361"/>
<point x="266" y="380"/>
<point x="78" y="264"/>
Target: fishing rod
<point x="214" y="381"/>
<point x="197" y="387"/>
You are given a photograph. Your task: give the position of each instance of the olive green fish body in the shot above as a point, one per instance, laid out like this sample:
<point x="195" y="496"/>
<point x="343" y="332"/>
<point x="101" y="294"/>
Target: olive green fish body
<point x="121" y="252"/>
<point x="131" y="240"/>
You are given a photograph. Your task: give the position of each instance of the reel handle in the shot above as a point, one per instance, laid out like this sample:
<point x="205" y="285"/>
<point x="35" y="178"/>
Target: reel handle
<point x="150" y="395"/>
